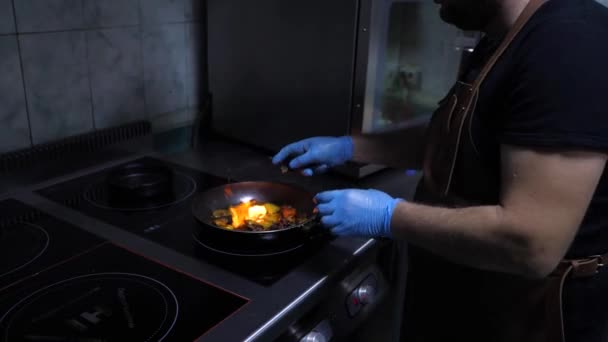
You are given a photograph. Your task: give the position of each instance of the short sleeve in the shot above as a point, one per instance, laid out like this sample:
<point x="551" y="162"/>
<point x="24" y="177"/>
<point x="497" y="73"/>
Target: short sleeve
<point x="559" y="94"/>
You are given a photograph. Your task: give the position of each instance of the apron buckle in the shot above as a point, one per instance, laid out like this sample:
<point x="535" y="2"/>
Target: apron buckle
<point x="588" y="267"/>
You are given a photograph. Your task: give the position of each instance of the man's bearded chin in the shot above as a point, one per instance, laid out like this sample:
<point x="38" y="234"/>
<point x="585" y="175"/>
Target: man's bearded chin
<point x="469" y="15"/>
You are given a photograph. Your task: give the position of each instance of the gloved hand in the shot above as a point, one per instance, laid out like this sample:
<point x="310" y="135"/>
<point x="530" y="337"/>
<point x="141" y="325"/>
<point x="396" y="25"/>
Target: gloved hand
<point x="316" y="155"/>
<point x="362" y="213"/>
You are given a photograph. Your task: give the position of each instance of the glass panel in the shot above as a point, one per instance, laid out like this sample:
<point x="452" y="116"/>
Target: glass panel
<point x="414" y="60"/>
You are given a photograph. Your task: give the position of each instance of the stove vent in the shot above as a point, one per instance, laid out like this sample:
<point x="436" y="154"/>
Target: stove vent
<point x="84" y="143"/>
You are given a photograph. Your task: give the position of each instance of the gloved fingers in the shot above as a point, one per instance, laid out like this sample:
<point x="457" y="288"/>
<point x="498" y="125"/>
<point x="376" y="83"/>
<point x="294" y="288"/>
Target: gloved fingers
<point x="307" y="172"/>
<point x="296" y="148"/>
<point x="330" y="221"/>
<point x="303" y="160"/>
<point x="315" y="171"/>
<point x="325" y="209"/>
<point x="327" y="196"/>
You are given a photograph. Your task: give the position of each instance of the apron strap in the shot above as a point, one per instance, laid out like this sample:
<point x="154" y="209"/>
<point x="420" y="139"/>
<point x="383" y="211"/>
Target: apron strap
<point x="448" y="123"/>
<point x="568" y="268"/>
<point x="523" y="18"/>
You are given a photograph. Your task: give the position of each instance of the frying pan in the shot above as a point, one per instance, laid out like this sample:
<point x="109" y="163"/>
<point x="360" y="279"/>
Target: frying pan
<point x="250" y="242"/>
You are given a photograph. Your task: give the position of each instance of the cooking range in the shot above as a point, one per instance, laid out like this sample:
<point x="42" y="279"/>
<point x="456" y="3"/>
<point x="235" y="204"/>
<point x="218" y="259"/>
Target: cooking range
<point x="163" y="213"/>
<point x="113" y="250"/>
<point x="60" y="283"/>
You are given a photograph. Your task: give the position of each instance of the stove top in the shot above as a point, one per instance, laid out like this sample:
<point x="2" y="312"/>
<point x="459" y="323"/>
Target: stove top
<point x="111" y="294"/>
<point x="168" y="220"/>
<point x="74" y="281"/>
<point x="31" y="242"/>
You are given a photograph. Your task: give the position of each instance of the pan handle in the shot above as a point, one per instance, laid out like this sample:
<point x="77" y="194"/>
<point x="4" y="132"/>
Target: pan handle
<point x="314" y="227"/>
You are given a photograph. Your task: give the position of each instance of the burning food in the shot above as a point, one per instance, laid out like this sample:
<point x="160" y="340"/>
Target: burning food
<point x="253" y="216"/>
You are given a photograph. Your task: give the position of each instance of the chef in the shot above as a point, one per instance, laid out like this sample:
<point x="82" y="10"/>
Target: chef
<point x="508" y="231"/>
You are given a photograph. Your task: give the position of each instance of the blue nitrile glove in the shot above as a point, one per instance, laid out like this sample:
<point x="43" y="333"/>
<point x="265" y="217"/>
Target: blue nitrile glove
<point x="362" y="213"/>
<point x="316" y="155"/>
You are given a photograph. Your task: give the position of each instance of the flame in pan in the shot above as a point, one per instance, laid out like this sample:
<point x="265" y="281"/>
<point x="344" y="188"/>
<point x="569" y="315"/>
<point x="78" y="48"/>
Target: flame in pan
<point x="247" y="211"/>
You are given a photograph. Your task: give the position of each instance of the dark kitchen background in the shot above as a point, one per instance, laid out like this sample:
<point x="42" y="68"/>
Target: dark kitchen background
<point x="72" y="66"/>
<point x="199" y="94"/>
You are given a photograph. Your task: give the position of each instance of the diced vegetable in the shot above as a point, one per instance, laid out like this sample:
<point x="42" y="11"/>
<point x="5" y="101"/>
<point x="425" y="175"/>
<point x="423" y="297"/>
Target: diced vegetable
<point x="288" y="212"/>
<point x="251" y="216"/>
<point x="221" y="213"/>
<point x="265" y="224"/>
<point x="222" y="222"/>
<point x="272" y="208"/>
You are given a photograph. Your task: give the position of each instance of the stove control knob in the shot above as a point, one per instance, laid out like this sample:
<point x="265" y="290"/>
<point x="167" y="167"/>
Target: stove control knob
<point x="366" y="294"/>
<point x="314" y="336"/>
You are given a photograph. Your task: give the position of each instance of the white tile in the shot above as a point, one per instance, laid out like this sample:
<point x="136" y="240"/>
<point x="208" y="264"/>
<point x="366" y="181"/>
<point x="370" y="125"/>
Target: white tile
<point x="116" y="72"/>
<point x="194" y="64"/>
<point x="162" y="11"/>
<point x="164" y="57"/>
<point x="57" y="84"/>
<point x="13" y="113"/>
<point x="7" y="21"/>
<point x="48" y="15"/>
<point x="110" y="13"/>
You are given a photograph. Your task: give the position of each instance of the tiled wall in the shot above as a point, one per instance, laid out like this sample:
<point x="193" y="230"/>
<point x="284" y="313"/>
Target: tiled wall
<point x="72" y="66"/>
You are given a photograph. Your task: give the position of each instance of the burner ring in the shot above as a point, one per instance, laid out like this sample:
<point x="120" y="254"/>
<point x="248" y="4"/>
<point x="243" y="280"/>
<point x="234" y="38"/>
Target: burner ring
<point x="97" y="195"/>
<point x="47" y="240"/>
<point x="169" y="300"/>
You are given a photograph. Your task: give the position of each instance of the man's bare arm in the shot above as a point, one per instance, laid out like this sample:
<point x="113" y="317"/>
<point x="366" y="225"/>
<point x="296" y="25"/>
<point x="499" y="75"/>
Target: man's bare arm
<point x="544" y="197"/>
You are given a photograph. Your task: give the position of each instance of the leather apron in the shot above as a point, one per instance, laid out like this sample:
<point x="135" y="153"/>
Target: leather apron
<point x="519" y="309"/>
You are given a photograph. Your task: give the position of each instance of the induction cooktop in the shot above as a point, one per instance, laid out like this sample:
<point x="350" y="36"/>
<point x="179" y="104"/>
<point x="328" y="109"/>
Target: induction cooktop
<point x="63" y="284"/>
<point x="168" y="219"/>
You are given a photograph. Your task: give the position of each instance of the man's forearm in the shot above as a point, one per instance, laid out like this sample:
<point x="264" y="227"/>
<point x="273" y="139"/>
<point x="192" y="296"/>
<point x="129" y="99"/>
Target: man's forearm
<point x="402" y="148"/>
<point x="479" y="237"/>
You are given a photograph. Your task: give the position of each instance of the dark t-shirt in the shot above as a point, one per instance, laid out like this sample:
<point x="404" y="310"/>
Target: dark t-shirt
<point x="549" y="90"/>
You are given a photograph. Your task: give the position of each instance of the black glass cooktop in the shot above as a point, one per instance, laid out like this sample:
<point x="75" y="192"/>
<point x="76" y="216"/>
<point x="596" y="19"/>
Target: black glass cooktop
<point x="31" y="241"/>
<point x="89" y="195"/>
<point x="111" y="294"/>
<point x="169" y="220"/>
